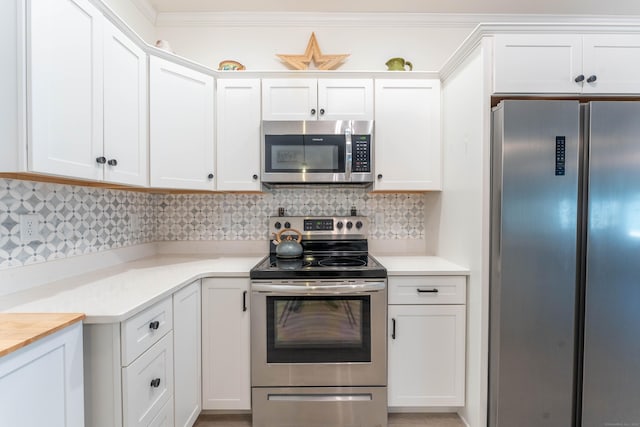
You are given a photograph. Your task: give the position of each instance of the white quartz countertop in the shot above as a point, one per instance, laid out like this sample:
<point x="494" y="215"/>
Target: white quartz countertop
<point x="419" y="265"/>
<point x="114" y="294"/>
<point x="117" y="293"/>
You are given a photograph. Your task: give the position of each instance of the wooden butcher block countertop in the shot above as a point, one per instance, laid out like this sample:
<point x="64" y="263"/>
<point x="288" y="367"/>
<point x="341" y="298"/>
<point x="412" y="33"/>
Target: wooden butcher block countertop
<point x="18" y="330"/>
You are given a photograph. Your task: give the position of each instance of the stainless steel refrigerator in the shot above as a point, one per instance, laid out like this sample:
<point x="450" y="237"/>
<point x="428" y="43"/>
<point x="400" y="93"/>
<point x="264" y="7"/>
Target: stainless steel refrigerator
<point x="565" y="264"/>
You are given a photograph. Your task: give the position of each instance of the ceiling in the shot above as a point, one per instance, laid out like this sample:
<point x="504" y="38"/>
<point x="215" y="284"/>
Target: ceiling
<point x="563" y="7"/>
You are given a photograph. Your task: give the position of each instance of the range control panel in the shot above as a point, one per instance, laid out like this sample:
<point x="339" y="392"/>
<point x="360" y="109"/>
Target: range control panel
<point x="352" y="227"/>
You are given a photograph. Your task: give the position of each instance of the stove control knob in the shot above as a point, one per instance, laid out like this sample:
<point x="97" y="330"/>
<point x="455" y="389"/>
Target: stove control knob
<point x="278" y="225"/>
<point x="359" y="225"/>
<point x="349" y="225"/>
<point x="339" y="225"/>
<point x="287" y="225"/>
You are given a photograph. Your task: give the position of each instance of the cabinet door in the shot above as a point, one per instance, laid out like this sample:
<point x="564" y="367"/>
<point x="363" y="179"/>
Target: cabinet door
<point x="289" y="99"/>
<point x="614" y="60"/>
<point x="345" y="99"/>
<point x="65" y="88"/>
<point x="427" y="355"/>
<point x="125" y="109"/>
<point x="225" y="344"/>
<point x="238" y="130"/>
<point x="187" y="354"/>
<point x="407" y="135"/>
<point x="42" y="384"/>
<point x="181" y="126"/>
<point x="538" y="63"/>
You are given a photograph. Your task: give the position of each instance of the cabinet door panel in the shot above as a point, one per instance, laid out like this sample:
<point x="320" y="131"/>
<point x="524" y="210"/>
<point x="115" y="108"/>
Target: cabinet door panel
<point x="614" y="60"/>
<point x="427" y="356"/>
<point x="407" y="135"/>
<point x="226" y="380"/>
<point x="238" y="131"/>
<point x="345" y="99"/>
<point x="181" y="127"/>
<point x="289" y="99"/>
<point x="65" y="88"/>
<point x="548" y="63"/>
<point x="42" y="384"/>
<point x="187" y="357"/>
<point x="125" y="108"/>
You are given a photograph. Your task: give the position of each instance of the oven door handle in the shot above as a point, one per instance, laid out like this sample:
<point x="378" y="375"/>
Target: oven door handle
<point x="320" y="289"/>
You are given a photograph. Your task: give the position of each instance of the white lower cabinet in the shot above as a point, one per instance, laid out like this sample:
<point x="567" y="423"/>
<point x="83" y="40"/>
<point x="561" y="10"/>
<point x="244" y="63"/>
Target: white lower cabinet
<point x="426" y="344"/>
<point x="41" y="384"/>
<point x="187" y="352"/>
<point x="129" y="366"/>
<point x="226" y="379"/>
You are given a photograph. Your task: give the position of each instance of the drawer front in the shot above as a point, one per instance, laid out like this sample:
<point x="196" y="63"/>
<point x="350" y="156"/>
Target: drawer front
<point x="165" y="417"/>
<point x="144" y="329"/>
<point x="147" y="384"/>
<point x="427" y="289"/>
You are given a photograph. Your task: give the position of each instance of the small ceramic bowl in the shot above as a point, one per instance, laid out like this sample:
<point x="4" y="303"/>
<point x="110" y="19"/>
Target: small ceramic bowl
<point x="231" y="65"/>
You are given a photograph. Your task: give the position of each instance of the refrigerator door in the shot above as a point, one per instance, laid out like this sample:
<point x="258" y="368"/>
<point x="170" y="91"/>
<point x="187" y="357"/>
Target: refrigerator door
<point x="611" y="375"/>
<point x="533" y="263"/>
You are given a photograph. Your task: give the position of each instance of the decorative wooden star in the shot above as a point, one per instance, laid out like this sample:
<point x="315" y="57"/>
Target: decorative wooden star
<point x="323" y="62"/>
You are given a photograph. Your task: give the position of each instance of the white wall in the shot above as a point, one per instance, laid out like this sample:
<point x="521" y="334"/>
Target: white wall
<point x="464" y="211"/>
<point x="370" y="47"/>
<point x="135" y="18"/>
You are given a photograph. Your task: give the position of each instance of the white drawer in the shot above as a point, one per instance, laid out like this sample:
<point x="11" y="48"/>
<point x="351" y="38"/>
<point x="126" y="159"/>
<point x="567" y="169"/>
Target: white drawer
<point x="427" y="289"/>
<point x="165" y="417"/>
<point x="143" y="399"/>
<point x="144" y="329"/>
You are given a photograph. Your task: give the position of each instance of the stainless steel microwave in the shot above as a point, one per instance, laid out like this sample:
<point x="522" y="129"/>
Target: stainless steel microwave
<point x="315" y="152"/>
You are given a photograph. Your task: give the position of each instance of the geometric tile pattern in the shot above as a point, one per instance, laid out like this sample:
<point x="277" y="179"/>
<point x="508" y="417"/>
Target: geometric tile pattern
<point x="245" y="216"/>
<point x="78" y="220"/>
<point x="74" y="220"/>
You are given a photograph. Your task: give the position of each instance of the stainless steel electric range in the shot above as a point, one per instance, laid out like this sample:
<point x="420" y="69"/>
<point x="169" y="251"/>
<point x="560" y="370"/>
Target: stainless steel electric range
<point x="318" y="329"/>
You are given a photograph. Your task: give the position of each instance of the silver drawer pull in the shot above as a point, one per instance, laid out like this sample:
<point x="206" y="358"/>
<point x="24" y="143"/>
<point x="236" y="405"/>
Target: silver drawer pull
<point x="321" y="397"/>
<point x="427" y="291"/>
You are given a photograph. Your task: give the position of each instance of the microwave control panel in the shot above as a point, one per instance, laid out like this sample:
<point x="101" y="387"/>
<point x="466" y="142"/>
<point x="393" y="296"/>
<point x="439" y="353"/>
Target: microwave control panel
<point x="361" y="153"/>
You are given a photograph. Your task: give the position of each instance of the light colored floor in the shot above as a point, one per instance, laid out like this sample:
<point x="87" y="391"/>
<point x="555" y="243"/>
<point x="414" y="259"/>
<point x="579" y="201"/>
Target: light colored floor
<point x="395" y="420"/>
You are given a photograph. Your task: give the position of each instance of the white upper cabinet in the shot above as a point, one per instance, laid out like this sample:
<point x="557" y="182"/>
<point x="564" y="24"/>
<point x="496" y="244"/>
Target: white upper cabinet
<point x="181" y="127"/>
<point x="317" y="99"/>
<point x="65" y="88"/>
<point x="345" y="99"/>
<point x="564" y="63"/>
<point x="238" y="134"/>
<point x="614" y="62"/>
<point x="125" y="109"/>
<point x="407" y="135"/>
<point x="87" y="95"/>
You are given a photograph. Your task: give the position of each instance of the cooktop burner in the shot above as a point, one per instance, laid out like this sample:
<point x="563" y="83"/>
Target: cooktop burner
<point x="341" y="262"/>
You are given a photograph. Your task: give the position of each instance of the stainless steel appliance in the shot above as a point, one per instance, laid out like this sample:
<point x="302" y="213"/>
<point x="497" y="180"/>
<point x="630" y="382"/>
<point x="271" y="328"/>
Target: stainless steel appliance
<point x="318" y="329"/>
<point x="564" y="324"/>
<point x="322" y="151"/>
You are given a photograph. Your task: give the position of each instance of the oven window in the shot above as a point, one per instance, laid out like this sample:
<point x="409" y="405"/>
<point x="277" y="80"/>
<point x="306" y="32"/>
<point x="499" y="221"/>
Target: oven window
<point x="314" y="329"/>
<point x="294" y="153"/>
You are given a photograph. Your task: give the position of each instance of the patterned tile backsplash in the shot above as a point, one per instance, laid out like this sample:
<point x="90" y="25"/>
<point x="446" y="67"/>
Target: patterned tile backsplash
<point x="78" y="220"/>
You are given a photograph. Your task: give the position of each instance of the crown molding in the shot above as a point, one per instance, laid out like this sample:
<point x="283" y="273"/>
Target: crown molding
<point x="367" y="19"/>
<point x="147" y="9"/>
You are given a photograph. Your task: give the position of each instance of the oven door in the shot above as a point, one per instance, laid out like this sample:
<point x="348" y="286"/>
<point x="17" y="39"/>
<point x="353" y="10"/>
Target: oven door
<point x="319" y="333"/>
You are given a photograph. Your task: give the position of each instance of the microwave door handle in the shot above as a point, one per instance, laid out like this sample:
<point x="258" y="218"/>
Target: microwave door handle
<point x="348" y="155"/>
